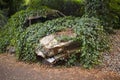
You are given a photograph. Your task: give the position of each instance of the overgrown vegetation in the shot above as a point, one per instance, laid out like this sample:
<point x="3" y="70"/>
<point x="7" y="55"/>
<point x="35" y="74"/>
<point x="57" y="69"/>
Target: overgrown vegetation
<point x="68" y="7"/>
<point x="27" y="43"/>
<point x="11" y="6"/>
<point x="115" y="11"/>
<point x="18" y="23"/>
<point x="105" y="11"/>
<point x="93" y="40"/>
<point x="98" y="16"/>
<point x="3" y="19"/>
<point x="89" y="33"/>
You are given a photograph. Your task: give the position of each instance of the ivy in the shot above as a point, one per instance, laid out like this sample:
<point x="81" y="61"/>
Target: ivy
<point x="28" y="40"/>
<point x="90" y="35"/>
<point x="93" y="41"/>
<point x="89" y="32"/>
<point x="17" y="24"/>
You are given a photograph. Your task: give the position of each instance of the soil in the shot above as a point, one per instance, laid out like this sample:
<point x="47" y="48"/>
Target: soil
<point x="11" y="69"/>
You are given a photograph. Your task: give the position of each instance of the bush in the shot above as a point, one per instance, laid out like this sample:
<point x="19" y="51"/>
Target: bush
<point x="3" y="19"/>
<point x="3" y="40"/>
<point x="115" y="11"/>
<point x="106" y="10"/>
<point x="68" y="7"/>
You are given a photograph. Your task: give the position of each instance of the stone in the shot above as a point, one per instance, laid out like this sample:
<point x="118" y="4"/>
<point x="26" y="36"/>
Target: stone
<point x="51" y="49"/>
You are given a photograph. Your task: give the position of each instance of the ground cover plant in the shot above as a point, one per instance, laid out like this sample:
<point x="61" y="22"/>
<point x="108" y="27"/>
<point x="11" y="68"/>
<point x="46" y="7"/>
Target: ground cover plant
<point x="96" y="19"/>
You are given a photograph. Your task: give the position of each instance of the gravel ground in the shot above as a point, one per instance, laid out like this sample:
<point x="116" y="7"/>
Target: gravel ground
<point x="112" y="59"/>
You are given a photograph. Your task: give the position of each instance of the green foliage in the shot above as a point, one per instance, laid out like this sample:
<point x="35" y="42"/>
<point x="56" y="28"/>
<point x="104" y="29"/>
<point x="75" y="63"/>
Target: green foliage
<point x="17" y="24"/>
<point x="64" y="38"/>
<point x="28" y="40"/>
<point x="93" y="39"/>
<point x="11" y="6"/>
<point x="106" y="10"/>
<point x="33" y="4"/>
<point x="3" y="19"/>
<point x="115" y="5"/>
<point x="115" y="11"/>
<point x="4" y="40"/>
<point x="96" y="8"/>
<point x="14" y="6"/>
<point x="89" y="33"/>
<point x="100" y="10"/>
<point x="68" y="7"/>
<point x="20" y="18"/>
<point x="73" y="60"/>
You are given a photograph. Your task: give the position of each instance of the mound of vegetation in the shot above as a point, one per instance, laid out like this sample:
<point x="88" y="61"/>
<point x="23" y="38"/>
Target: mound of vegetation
<point x="89" y="33"/>
<point x="23" y="31"/>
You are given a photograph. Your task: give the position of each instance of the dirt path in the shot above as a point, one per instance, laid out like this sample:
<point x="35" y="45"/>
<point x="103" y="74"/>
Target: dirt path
<point x="10" y="69"/>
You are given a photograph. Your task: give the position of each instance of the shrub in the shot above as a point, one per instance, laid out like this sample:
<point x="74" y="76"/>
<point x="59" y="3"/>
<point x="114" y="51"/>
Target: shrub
<point x="3" y="19"/>
<point x="4" y="40"/>
<point x="115" y="12"/>
<point x="68" y="7"/>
